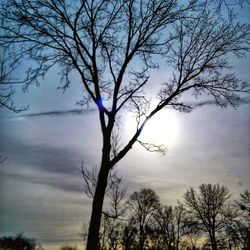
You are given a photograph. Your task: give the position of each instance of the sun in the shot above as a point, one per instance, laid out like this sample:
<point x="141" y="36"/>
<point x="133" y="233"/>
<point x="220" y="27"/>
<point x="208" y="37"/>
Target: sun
<point x="160" y="129"/>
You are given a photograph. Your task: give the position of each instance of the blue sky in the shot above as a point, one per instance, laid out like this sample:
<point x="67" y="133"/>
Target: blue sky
<point x="40" y="184"/>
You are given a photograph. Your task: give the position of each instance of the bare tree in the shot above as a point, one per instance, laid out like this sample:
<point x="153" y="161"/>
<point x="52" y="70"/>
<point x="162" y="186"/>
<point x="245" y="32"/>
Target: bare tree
<point x="142" y="205"/>
<point x="193" y="231"/>
<point x="234" y="228"/>
<point x="110" y="235"/>
<point x="68" y="247"/>
<point x="103" y="41"/>
<point x="19" y="242"/>
<point x="165" y="225"/>
<point x="208" y="207"/>
<point x="129" y="233"/>
<point x="7" y="89"/>
<point x="229" y="5"/>
<point x="172" y="224"/>
<point x="115" y="191"/>
<point x="244" y="202"/>
<point x="244" y="227"/>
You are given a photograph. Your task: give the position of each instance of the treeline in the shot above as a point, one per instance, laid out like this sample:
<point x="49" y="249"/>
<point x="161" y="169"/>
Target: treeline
<point x="205" y="219"/>
<point x="21" y="242"/>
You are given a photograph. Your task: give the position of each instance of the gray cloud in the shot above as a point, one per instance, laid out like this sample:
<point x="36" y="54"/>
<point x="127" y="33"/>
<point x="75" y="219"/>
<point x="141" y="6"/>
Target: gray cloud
<point x="242" y="101"/>
<point x="48" y="145"/>
<point x="61" y="182"/>
<point x="53" y="159"/>
<point x="60" y="113"/>
<point x="87" y="111"/>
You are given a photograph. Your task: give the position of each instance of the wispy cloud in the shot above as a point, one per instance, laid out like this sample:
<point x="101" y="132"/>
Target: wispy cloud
<point x="242" y="101"/>
<point x="63" y="182"/>
<point x="60" y="113"/>
<point x="48" y="158"/>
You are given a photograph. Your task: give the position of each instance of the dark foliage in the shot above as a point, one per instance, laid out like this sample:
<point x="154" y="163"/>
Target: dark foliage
<point x="18" y="242"/>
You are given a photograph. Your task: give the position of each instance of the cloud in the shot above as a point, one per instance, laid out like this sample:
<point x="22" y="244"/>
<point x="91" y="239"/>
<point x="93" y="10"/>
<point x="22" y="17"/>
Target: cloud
<point x="62" y="182"/>
<point x="60" y="113"/>
<point x="49" y="158"/>
<point x="244" y="101"/>
<point x="241" y="101"/>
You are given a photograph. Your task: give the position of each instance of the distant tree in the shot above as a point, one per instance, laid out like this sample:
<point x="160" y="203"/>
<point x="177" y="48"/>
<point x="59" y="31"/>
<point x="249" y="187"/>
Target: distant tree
<point x="116" y="194"/>
<point x="244" y="202"/>
<point x="244" y="229"/>
<point x="68" y="247"/>
<point x="112" y="217"/>
<point x="142" y="205"/>
<point x="165" y="226"/>
<point x="111" y="225"/>
<point x="114" y="46"/>
<point x="129" y="233"/>
<point x="208" y="206"/>
<point x="233" y="228"/>
<point x="179" y="224"/>
<point x="115" y="191"/>
<point x="172" y="224"/>
<point x="19" y="242"/>
<point x="111" y="234"/>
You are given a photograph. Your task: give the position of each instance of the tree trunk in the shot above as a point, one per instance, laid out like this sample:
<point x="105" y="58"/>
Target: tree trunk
<point x="177" y="245"/>
<point x="141" y="238"/>
<point x="213" y="240"/>
<point x="95" y="220"/>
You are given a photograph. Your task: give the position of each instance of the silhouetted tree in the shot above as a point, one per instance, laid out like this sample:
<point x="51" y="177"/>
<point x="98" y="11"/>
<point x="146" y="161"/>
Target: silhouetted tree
<point x="18" y="242"/>
<point x="171" y="225"/>
<point x="166" y="226"/>
<point x="111" y="225"/>
<point x="142" y="205"/>
<point x="114" y="46"/>
<point x="111" y="234"/>
<point x="149" y="225"/>
<point x="7" y="90"/>
<point x="193" y="232"/>
<point x="244" y="228"/>
<point x="129" y="233"/>
<point x="208" y="207"/>
<point x="68" y="247"/>
<point x="228" y="4"/>
<point x="115" y="190"/>
<point x="244" y="202"/>
<point x="231" y="235"/>
<point x="116" y="193"/>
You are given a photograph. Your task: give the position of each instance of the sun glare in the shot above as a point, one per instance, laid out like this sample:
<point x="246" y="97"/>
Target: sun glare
<point x="160" y="129"/>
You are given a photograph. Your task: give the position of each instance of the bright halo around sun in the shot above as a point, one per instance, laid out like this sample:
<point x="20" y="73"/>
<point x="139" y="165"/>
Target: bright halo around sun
<point x="160" y="129"/>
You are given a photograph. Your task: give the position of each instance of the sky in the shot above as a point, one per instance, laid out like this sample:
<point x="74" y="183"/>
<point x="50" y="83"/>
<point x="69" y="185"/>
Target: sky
<point x="40" y="183"/>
